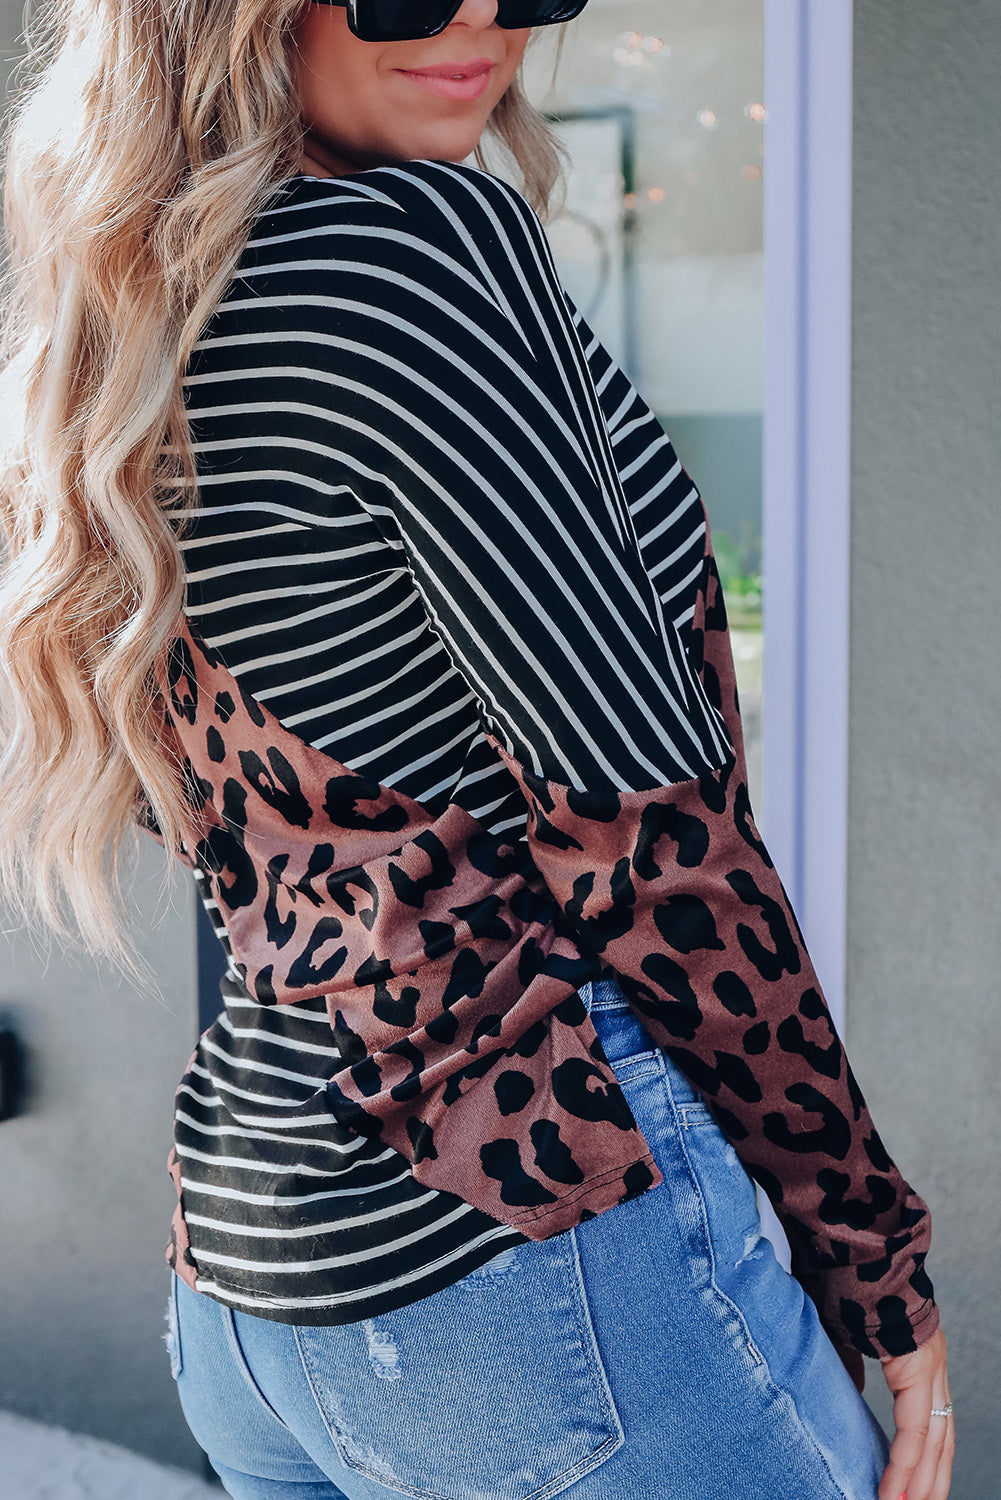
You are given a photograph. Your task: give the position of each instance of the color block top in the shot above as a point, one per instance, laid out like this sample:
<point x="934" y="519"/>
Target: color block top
<point x="453" y="698"/>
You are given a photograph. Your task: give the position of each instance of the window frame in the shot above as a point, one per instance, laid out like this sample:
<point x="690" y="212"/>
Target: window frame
<point x="806" y="479"/>
<point x="806" y="483"/>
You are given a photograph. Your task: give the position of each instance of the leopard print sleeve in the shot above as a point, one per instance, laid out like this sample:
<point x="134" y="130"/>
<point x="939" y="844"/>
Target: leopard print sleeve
<point x="677" y="892"/>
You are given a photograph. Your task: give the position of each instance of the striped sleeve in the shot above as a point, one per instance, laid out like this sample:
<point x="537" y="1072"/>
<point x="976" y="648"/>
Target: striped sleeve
<point x="672" y="529"/>
<point x="664" y="502"/>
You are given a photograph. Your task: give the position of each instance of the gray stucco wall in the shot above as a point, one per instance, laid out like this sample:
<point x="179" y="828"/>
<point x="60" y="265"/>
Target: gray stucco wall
<point x="924" y="934"/>
<point x="86" y="1198"/>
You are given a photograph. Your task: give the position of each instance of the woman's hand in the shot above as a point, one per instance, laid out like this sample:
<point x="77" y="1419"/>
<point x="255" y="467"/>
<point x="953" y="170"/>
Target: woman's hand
<point x="923" y="1446"/>
<point x="922" y="1450"/>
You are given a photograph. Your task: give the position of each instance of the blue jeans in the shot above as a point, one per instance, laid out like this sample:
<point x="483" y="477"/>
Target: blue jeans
<point x="659" y="1351"/>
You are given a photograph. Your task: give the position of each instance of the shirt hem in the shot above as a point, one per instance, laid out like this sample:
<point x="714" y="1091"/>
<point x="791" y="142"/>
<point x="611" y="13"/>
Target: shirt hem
<point x="598" y="1193"/>
<point x="362" y="1306"/>
<point x="912" y="1320"/>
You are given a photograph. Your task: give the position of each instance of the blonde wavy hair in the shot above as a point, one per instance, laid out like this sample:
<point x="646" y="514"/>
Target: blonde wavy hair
<point x="143" y="139"/>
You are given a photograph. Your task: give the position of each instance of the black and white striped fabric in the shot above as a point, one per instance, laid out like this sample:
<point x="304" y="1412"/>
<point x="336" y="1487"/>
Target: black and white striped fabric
<point x="430" y="505"/>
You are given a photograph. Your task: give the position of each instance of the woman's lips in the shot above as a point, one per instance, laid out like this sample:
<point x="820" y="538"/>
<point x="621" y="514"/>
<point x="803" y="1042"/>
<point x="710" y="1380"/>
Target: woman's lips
<point x="470" y="85"/>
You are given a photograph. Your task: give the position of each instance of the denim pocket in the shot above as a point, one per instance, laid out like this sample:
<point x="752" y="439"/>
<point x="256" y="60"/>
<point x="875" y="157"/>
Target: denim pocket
<point x="172" y="1337"/>
<point x="622" y="1035"/>
<point x="728" y="1193"/>
<point x="679" y="1121"/>
<point x="491" y="1389"/>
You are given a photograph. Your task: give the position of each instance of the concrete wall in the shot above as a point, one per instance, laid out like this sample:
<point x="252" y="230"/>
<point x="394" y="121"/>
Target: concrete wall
<point x="86" y="1196"/>
<point x="924" y="938"/>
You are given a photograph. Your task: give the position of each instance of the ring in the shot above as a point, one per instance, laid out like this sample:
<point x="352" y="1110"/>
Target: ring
<point x="943" y="1411"/>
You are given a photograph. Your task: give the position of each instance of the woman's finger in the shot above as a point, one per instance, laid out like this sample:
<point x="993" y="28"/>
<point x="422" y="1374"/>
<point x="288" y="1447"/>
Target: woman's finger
<point x="925" y="1478"/>
<point x="911" y="1408"/>
<point x="943" y="1479"/>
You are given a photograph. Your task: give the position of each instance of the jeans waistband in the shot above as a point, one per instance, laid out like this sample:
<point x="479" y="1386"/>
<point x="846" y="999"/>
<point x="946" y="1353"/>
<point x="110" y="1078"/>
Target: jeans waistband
<point x="604" y="994"/>
<point x="623" y="1035"/>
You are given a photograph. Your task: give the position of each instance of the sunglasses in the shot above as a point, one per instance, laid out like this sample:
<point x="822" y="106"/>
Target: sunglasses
<point x="409" y="20"/>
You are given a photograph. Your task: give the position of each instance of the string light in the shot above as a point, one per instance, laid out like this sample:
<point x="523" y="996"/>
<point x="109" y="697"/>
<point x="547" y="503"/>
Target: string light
<point x="656" y="194"/>
<point x="756" y="112"/>
<point x="707" y="119"/>
<point x="752" y="172"/>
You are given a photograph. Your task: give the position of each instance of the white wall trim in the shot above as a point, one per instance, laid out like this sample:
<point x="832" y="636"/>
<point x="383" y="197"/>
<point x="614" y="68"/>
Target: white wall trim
<point x="806" y="460"/>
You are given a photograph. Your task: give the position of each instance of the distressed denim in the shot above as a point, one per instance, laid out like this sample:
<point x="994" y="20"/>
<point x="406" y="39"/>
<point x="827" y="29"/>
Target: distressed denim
<point x="659" y="1351"/>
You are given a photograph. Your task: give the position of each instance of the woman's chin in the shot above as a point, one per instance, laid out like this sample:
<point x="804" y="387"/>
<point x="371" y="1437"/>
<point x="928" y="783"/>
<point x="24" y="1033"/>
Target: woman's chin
<point x="451" y="142"/>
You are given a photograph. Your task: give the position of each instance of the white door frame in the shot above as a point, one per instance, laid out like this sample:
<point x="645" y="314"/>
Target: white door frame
<point x="806" y="462"/>
<point x="806" y="477"/>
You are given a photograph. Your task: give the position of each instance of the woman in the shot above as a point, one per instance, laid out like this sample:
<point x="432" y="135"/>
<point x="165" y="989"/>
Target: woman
<point x="408" y="641"/>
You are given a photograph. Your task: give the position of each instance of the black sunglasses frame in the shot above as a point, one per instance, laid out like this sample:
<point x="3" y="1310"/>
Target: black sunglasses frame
<point x="512" y="15"/>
